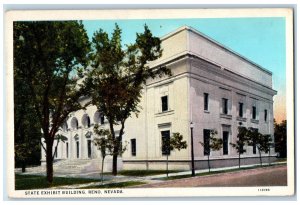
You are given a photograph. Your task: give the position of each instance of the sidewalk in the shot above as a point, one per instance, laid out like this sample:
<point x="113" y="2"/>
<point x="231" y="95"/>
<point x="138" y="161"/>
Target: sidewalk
<point x="212" y="170"/>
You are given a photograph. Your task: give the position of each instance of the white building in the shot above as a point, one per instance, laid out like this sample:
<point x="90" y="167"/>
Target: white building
<point x="212" y="86"/>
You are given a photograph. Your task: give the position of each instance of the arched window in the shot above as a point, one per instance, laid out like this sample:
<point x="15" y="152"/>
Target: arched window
<point x="99" y="118"/>
<point x="86" y="122"/>
<point x="65" y="127"/>
<point x="74" y="123"/>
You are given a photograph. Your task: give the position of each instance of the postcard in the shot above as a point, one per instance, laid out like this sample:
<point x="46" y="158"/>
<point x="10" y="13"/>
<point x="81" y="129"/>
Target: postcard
<point x="149" y="103"/>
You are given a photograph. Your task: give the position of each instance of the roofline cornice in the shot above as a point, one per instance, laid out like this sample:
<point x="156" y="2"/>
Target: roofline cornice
<point x="187" y="55"/>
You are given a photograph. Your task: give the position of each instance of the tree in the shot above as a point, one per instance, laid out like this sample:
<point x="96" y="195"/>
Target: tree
<point x="265" y="144"/>
<point x="241" y="142"/>
<point x="106" y="144"/>
<point x="174" y="143"/>
<point x="213" y="143"/>
<point x="116" y="79"/>
<point x="50" y="56"/>
<point x="259" y="141"/>
<point x="27" y="135"/>
<point x="280" y="137"/>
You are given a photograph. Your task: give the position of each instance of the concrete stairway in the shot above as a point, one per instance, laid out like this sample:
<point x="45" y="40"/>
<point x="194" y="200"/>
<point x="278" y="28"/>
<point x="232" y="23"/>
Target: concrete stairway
<point x="77" y="166"/>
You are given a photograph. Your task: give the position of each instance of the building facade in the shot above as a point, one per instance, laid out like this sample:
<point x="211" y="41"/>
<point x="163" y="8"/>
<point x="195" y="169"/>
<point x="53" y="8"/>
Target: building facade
<point x="212" y="88"/>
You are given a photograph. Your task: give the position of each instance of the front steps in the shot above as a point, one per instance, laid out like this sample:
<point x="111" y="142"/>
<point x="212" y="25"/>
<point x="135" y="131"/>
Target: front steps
<point x="76" y="166"/>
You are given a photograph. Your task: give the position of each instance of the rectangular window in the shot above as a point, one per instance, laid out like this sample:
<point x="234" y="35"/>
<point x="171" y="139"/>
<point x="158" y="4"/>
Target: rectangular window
<point x="266" y="115"/>
<point x="55" y="152"/>
<point x="253" y="112"/>
<point x="133" y="147"/>
<point x="206" y="139"/>
<point x="224" y="106"/>
<point x="164" y="103"/>
<point x="77" y="149"/>
<point x="241" y="105"/>
<point x="165" y="139"/>
<point x="205" y="101"/>
<point x="67" y="149"/>
<point x="89" y="148"/>
<point x="225" y="143"/>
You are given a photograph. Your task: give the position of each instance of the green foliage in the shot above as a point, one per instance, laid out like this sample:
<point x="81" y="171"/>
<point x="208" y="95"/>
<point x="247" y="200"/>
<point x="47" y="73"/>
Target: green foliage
<point x="116" y="185"/>
<point x="280" y="137"/>
<point x="60" y="137"/>
<point x="116" y="78"/>
<point x="143" y="173"/>
<point x="262" y="142"/>
<point x="214" y="142"/>
<point x="251" y="136"/>
<point x="214" y="172"/>
<point x="26" y="182"/>
<point x="106" y="144"/>
<point x="174" y="143"/>
<point x="49" y="57"/>
<point x="241" y="141"/>
<point x="27" y="129"/>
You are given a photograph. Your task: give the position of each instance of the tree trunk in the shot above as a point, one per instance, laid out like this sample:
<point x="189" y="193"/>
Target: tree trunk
<point x="23" y="166"/>
<point x="102" y="170"/>
<point x="208" y="163"/>
<point x="260" y="158"/>
<point x="49" y="163"/>
<point x="269" y="156"/>
<point x="167" y="166"/>
<point x="115" y="165"/>
<point x="239" y="160"/>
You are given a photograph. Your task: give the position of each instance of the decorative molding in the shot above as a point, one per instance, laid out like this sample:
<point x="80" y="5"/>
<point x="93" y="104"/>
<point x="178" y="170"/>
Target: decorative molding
<point x="255" y="121"/>
<point x="160" y="114"/>
<point x="88" y="134"/>
<point x="243" y="119"/>
<point x="226" y="116"/>
<point x="168" y="124"/>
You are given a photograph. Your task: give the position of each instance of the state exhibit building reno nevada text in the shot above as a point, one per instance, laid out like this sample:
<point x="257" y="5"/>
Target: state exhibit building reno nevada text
<point x="211" y="88"/>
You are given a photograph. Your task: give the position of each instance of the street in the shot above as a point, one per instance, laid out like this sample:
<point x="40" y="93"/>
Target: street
<point x="269" y="176"/>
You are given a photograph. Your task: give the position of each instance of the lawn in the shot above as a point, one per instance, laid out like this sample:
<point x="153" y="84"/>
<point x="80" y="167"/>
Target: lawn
<point x="116" y="185"/>
<point x="24" y="182"/>
<point x="215" y="172"/>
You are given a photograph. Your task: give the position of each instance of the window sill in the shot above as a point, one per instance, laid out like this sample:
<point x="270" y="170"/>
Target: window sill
<point x="243" y="119"/>
<point x="254" y="121"/>
<point x="169" y="112"/>
<point x="206" y="111"/>
<point x="226" y="116"/>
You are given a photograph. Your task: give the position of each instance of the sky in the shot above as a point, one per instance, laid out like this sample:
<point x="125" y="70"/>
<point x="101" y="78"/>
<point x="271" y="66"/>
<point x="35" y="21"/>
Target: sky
<point x="261" y="40"/>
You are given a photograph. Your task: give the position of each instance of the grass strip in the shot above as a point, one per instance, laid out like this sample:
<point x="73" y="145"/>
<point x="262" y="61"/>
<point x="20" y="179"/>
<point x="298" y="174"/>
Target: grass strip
<point x="142" y="173"/>
<point x="216" y="172"/>
<point x="25" y="182"/>
<point x="116" y="185"/>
